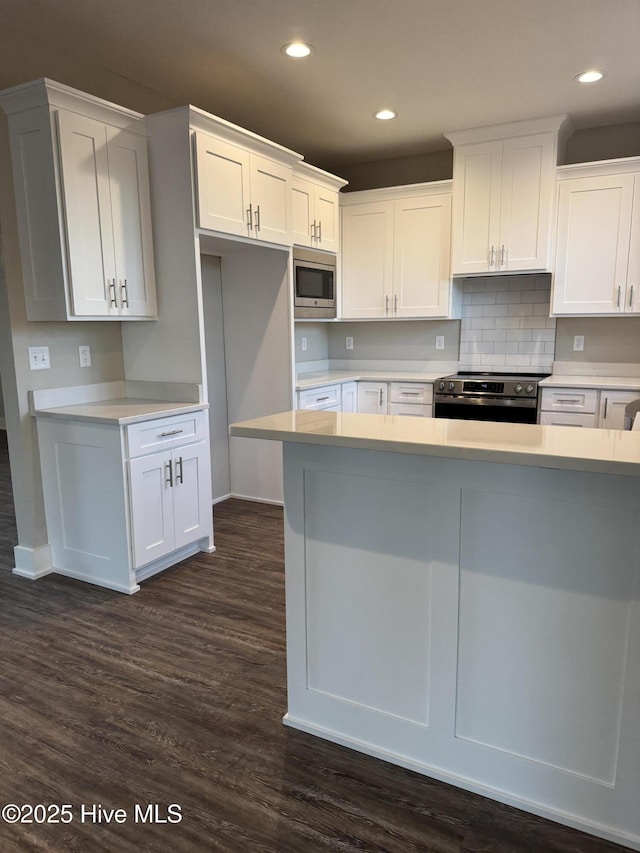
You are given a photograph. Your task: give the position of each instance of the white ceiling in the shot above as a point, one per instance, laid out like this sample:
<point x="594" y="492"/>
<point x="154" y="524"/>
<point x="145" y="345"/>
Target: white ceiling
<point x="441" y="64"/>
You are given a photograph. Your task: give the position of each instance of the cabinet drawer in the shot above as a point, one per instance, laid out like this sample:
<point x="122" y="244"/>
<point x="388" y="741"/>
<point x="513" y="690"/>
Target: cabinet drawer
<point x="412" y="409"/>
<point x="567" y="419"/>
<point x="319" y="398"/>
<point x="569" y="400"/>
<point x="411" y="392"/>
<point x="160" y="433"/>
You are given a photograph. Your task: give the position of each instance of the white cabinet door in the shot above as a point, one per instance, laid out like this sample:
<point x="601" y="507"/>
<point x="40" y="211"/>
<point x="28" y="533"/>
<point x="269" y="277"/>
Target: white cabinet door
<point x="612" y="406"/>
<point x="327" y="219"/>
<point x="105" y="184"/>
<point x="567" y="419"/>
<point x="302" y="205"/>
<point x="526" y="198"/>
<point x="87" y="206"/>
<point x="223" y="186"/>
<point x="421" y="257"/>
<point x="131" y="218"/>
<point x="476" y="206"/>
<point x="151" y="497"/>
<point x="372" y="398"/>
<point x="271" y="200"/>
<point x="367" y="260"/>
<point x="349" y="397"/>
<point x="191" y="504"/>
<point x="593" y="244"/>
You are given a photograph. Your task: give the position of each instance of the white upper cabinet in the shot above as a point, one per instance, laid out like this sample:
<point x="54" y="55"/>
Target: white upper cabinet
<point x="597" y="268"/>
<point x="241" y="191"/>
<point x="315" y="208"/>
<point x="396" y="253"/>
<point x="503" y="183"/>
<point x="82" y="197"/>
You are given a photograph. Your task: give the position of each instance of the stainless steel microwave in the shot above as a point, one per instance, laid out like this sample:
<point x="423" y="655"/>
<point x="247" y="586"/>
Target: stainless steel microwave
<point x="314" y="284"/>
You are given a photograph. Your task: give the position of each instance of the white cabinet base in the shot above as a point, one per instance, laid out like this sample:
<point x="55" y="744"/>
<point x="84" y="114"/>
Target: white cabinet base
<point x="90" y="500"/>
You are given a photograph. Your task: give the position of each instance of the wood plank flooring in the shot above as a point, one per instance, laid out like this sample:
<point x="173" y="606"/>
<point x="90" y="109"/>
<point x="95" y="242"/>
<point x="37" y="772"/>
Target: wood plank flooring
<point x="176" y="695"/>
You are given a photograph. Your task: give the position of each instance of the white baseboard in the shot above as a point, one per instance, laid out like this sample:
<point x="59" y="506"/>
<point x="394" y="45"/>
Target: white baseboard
<point x="33" y="563"/>
<point x="257" y="500"/>
<point x="219" y="500"/>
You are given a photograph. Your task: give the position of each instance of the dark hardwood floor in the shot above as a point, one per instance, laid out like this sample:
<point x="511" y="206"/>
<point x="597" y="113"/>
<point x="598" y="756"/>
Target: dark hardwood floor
<point x="176" y="695"/>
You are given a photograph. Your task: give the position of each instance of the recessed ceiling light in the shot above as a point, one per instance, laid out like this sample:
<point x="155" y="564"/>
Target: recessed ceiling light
<point x="590" y="76"/>
<point x="297" y="49"/>
<point x="385" y="115"/>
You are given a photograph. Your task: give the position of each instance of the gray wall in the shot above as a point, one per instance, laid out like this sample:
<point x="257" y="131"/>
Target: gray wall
<point x="395" y="340"/>
<point x="606" y="339"/>
<point x="1" y="405"/>
<point x="317" y="335"/>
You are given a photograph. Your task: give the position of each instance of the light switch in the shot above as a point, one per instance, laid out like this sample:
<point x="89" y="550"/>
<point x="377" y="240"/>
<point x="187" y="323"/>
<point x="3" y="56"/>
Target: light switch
<point x="439" y="341"/>
<point x="303" y="344"/>
<point x="39" y="358"/>
<point x="578" y="343"/>
<point x="348" y="342"/>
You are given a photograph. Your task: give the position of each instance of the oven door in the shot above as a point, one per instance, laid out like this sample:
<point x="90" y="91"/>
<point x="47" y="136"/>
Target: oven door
<point x="520" y="411"/>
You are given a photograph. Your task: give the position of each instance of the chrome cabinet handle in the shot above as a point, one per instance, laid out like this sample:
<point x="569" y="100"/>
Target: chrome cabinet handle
<point x="606" y="406"/>
<point x="124" y="294"/>
<point x="171" y="432"/>
<point x="249" y="218"/>
<point x="381" y="396"/>
<point x="179" y="470"/>
<point x="313" y="231"/>
<point x="503" y="253"/>
<point x="319" y="231"/>
<point x="411" y="393"/>
<point x="492" y="257"/>
<point x="631" y="297"/>
<point x="395" y="303"/>
<point x="573" y="400"/>
<point x="321" y="399"/>
<point x="169" y="467"/>
<point x="386" y="305"/>
<point x="113" y="299"/>
<point x="257" y="217"/>
<point x="618" y="299"/>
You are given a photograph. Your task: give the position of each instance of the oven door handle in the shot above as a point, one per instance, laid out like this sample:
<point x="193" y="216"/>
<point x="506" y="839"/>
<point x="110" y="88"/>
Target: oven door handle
<point x="498" y="402"/>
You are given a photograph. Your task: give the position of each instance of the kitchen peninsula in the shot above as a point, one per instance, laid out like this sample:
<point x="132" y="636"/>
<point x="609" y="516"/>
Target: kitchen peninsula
<point x="463" y="600"/>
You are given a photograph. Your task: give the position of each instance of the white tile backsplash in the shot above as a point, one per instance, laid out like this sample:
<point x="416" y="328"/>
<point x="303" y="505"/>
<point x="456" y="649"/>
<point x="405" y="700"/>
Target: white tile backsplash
<point x="506" y="324"/>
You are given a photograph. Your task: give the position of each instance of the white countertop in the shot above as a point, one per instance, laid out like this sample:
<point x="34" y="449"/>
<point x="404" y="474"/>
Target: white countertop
<point x="332" y="377"/>
<point x="121" y="411"/>
<point x="608" y="383"/>
<point x="570" y="448"/>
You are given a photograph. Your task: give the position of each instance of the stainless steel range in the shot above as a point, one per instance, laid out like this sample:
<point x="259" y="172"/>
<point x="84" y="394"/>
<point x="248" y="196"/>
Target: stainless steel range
<point x="510" y="397"/>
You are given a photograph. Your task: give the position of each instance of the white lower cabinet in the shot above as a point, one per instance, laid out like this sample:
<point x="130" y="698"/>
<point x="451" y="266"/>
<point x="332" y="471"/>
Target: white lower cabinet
<point x="585" y="407"/>
<point x="326" y="398"/>
<point x="168" y="501"/>
<point x="612" y="406"/>
<point x="125" y="502"/>
<point x="372" y="398"/>
<point x="349" y="397"/>
<point x="567" y="419"/>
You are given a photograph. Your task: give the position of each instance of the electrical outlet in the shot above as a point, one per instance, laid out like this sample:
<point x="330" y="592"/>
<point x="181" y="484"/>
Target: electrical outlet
<point x="439" y="341"/>
<point x="84" y="354"/>
<point x="303" y="344"/>
<point x="348" y="342"/>
<point x="39" y="358"/>
<point x="578" y="343"/>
